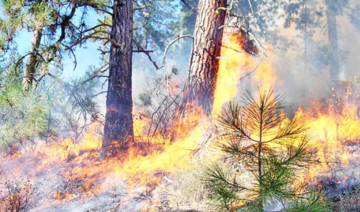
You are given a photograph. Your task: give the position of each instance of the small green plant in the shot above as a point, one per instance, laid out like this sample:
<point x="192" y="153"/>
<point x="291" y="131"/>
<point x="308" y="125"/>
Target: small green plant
<point x="257" y="139"/>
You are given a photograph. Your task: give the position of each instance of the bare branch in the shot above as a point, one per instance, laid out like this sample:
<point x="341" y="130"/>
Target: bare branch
<point x="143" y="51"/>
<point x="188" y="6"/>
<point x="170" y="44"/>
<point x="146" y="52"/>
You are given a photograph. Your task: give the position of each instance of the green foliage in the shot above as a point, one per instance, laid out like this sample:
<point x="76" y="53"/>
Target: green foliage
<point x="61" y="27"/>
<point x="158" y="22"/>
<point x="18" y="15"/>
<point x="73" y="105"/>
<point x="310" y="202"/>
<point x="258" y="139"/>
<point x="23" y="115"/>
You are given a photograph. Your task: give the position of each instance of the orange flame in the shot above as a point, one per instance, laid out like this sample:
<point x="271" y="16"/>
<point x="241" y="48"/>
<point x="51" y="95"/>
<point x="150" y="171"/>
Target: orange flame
<point x="149" y="160"/>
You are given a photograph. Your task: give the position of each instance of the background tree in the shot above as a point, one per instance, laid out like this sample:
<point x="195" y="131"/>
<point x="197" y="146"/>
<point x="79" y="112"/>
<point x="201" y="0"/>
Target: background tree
<point x="188" y="16"/>
<point x="305" y="18"/>
<point x="22" y="114"/>
<point x="308" y="16"/>
<point x="155" y="26"/>
<point x="55" y="31"/>
<point x="56" y="109"/>
<point x="334" y="57"/>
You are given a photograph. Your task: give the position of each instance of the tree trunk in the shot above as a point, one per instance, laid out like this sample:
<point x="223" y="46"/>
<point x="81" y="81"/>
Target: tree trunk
<point x="33" y="59"/>
<point x="331" y="9"/>
<point x="306" y="59"/>
<point x="206" y="48"/>
<point x="119" y="120"/>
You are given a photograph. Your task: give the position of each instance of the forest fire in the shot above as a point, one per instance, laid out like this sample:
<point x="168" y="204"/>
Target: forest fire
<point x="82" y="174"/>
<point x="69" y="145"/>
<point x="145" y="163"/>
<point x="335" y="136"/>
<point x="333" y="128"/>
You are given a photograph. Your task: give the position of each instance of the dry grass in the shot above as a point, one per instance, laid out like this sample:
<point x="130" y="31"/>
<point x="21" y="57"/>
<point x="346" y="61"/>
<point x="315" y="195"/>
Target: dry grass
<point x="187" y="191"/>
<point x="16" y="196"/>
<point x="349" y="200"/>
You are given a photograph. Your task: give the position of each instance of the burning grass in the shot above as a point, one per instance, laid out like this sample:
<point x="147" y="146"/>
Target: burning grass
<point x="79" y="172"/>
<point x="164" y="171"/>
<point x="16" y="196"/>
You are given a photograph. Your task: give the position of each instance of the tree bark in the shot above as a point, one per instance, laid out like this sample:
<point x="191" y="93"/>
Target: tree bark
<point x="33" y="59"/>
<point x="119" y="120"/>
<point x="206" y="48"/>
<point x="331" y="10"/>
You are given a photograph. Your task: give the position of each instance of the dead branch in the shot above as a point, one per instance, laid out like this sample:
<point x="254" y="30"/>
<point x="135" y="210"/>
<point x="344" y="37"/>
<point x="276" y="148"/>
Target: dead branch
<point x="188" y="6"/>
<point x="229" y="18"/>
<point x="140" y="8"/>
<point x="95" y="27"/>
<point x="170" y="44"/>
<point x="257" y="42"/>
<point x="251" y="7"/>
<point x="141" y="49"/>
<point x="104" y="11"/>
<point x="73" y="54"/>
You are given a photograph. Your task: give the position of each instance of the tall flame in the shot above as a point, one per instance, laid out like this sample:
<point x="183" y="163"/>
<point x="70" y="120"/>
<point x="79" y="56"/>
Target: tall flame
<point x="147" y="161"/>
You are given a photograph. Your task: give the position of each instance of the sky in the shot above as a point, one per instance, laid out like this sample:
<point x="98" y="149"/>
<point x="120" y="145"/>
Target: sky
<point x="288" y="68"/>
<point x="86" y="56"/>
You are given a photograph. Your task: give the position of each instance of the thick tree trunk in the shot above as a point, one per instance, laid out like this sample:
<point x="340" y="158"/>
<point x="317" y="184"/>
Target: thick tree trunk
<point x="33" y="59"/>
<point x="331" y="9"/>
<point x="204" y="62"/>
<point x="119" y="121"/>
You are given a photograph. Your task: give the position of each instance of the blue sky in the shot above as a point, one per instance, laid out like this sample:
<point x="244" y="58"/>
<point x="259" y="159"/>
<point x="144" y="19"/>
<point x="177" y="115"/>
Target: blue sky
<point x="86" y="56"/>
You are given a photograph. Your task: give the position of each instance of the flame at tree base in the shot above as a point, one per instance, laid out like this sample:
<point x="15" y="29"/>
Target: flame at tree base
<point x="83" y="174"/>
<point x="66" y="172"/>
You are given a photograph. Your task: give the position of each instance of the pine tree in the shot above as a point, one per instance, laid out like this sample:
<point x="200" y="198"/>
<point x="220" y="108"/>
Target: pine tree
<point x="22" y="114"/>
<point x="155" y="25"/>
<point x="259" y="140"/>
<point x="309" y="14"/>
<point x="119" y="120"/>
<point x="204" y="62"/>
<point x="331" y="13"/>
<point x="54" y="28"/>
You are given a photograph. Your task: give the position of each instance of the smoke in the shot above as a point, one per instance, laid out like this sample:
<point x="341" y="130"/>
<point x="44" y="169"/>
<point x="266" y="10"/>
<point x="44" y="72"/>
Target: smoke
<point x="176" y="65"/>
<point x="302" y="79"/>
<point x="302" y="65"/>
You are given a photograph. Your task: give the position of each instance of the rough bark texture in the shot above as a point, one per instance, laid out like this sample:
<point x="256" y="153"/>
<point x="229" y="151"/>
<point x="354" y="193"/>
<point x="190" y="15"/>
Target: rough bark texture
<point x="333" y="42"/>
<point x="119" y="121"/>
<point x="206" y="48"/>
<point x="33" y="59"/>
